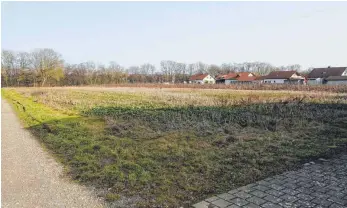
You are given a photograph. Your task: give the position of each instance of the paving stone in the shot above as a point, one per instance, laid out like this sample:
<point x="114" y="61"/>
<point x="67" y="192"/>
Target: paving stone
<point x="289" y="198"/>
<point x="321" y="184"/>
<point x="247" y="188"/>
<point x="273" y="199"/>
<point x="233" y="191"/>
<point x="239" y="201"/>
<point x="280" y="177"/>
<point x="290" y="191"/>
<point x="305" y="197"/>
<point x="226" y="196"/>
<point x="319" y="195"/>
<point x="261" y="188"/>
<point x="221" y="203"/>
<point x="274" y="192"/>
<point x="276" y="187"/>
<point x="303" y="203"/>
<point x="251" y="206"/>
<point x="264" y="183"/>
<point x="202" y="204"/>
<point x="336" y="206"/>
<point x="336" y="188"/>
<point x="242" y="195"/>
<point x="322" y="202"/>
<point x="258" y="193"/>
<point x="233" y="206"/>
<point x="305" y="190"/>
<point x="269" y="179"/>
<point x="290" y="185"/>
<point x="211" y="199"/>
<point x="321" y="189"/>
<point x="276" y="181"/>
<point x="303" y="184"/>
<point x="256" y="200"/>
<point x="288" y="204"/>
<point x="270" y="205"/>
<point x="338" y="200"/>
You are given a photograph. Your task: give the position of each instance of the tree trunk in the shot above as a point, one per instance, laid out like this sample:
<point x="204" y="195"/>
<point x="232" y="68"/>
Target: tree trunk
<point x="43" y="82"/>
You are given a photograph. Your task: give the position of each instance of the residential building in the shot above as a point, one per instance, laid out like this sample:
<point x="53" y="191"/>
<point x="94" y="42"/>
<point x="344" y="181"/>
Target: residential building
<point x="336" y="80"/>
<point x="227" y="78"/>
<point x="284" y="77"/>
<point x="320" y="75"/>
<point x="236" y="78"/>
<point x="202" y="79"/>
<point x="246" y="77"/>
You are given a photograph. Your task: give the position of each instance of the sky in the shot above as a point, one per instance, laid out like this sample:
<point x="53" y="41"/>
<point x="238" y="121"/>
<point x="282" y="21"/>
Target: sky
<point x="312" y="34"/>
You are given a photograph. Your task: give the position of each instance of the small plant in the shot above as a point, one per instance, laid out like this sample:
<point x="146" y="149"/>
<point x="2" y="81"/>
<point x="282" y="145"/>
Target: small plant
<point x="112" y="197"/>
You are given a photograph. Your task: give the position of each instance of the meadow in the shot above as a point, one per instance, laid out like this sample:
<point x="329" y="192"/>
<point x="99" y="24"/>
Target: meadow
<point x="171" y="147"/>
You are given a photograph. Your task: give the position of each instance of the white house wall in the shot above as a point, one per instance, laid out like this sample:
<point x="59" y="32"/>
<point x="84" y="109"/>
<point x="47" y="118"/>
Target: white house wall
<point x="209" y="79"/>
<point x="274" y="81"/>
<point x="229" y="81"/>
<point x="337" y="82"/>
<point x="317" y="81"/>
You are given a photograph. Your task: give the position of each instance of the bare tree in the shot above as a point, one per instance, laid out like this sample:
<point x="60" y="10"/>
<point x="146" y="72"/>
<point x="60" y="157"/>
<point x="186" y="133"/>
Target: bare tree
<point x="8" y="66"/>
<point x="114" y="66"/>
<point x="147" y="69"/>
<point x="293" y="67"/>
<point x="214" y="70"/>
<point x="48" y="64"/>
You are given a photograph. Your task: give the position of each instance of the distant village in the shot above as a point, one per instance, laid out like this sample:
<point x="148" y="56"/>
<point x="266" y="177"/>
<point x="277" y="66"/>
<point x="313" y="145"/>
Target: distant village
<point x="46" y="67"/>
<point x="318" y="76"/>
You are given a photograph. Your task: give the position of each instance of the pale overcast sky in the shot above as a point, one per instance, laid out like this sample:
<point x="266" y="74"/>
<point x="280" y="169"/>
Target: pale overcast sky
<point x="132" y="33"/>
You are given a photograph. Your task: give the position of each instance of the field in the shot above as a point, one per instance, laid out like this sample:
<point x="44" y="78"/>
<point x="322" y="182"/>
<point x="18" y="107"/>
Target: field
<point x="171" y="147"/>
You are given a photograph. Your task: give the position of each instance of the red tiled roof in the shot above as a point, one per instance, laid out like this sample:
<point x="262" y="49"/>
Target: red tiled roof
<point x="260" y="77"/>
<point x="198" y="76"/>
<point x="227" y="76"/>
<point x="230" y="76"/>
<point x="280" y="74"/>
<point x="244" y="77"/>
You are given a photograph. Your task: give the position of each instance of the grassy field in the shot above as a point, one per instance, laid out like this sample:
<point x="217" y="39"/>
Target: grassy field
<point x="171" y="147"/>
<point x="254" y="86"/>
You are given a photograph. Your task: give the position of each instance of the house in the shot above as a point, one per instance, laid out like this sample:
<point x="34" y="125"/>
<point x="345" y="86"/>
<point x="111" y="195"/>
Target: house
<point x="226" y="78"/>
<point x="236" y="78"/>
<point x="284" y="77"/>
<point x="202" y="79"/>
<point x="336" y="80"/>
<point x="320" y="75"/>
<point x="246" y="77"/>
<point x="259" y="79"/>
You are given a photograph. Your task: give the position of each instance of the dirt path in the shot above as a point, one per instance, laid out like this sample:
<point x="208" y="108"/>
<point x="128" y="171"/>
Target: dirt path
<point x="30" y="177"/>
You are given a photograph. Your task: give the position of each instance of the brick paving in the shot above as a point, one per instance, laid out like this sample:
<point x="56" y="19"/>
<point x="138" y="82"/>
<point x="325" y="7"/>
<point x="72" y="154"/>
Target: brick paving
<point x="317" y="184"/>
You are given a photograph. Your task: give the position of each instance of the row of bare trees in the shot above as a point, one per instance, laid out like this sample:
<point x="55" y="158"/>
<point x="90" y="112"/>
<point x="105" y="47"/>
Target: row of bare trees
<point x="38" y="67"/>
<point x="46" y="67"/>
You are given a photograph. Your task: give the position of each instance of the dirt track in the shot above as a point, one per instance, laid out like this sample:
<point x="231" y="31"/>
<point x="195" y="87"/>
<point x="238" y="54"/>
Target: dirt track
<point x="30" y="177"/>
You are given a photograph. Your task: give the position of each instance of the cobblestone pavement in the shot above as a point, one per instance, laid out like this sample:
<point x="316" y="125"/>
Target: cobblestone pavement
<point x="317" y="184"/>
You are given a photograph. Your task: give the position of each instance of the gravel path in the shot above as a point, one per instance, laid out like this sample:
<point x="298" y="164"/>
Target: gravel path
<point x="30" y="177"/>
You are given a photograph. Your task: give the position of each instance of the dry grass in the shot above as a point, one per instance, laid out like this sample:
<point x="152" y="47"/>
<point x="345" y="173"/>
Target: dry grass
<point x="255" y="86"/>
<point x="172" y="147"/>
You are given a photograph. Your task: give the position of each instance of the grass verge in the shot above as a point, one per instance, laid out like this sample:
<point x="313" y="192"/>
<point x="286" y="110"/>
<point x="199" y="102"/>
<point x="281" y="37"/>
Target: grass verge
<point x="174" y="156"/>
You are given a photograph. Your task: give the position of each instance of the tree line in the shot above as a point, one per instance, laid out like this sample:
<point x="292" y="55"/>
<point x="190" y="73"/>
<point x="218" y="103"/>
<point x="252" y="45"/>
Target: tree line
<point x="46" y="67"/>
